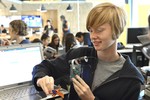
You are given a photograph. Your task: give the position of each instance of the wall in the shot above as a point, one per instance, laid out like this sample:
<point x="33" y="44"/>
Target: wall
<point x="143" y="18"/>
<point x="55" y="10"/>
<point x="77" y="17"/>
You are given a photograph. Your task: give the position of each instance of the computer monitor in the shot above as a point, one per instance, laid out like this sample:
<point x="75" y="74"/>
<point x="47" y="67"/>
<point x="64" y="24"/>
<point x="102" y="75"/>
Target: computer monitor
<point x="133" y="32"/>
<point x="33" y="21"/>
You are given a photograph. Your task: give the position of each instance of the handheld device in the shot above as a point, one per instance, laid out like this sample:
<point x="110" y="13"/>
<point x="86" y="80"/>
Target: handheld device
<point x="75" y="66"/>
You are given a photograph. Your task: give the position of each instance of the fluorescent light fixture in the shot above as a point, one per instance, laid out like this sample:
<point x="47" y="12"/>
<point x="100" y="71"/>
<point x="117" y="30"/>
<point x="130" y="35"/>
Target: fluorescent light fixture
<point x="12" y="8"/>
<point x="69" y="8"/>
<point x="43" y="9"/>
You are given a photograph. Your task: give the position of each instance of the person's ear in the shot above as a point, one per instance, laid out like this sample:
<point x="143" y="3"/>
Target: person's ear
<point x="114" y="36"/>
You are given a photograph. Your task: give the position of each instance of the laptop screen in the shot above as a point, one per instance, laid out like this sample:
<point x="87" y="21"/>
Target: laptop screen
<point x="17" y="62"/>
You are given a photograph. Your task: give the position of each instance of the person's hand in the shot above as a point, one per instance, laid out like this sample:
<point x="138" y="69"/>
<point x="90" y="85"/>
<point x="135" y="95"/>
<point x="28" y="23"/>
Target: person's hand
<point x="46" y="83"/>
<point x="5" y="42"/>
<point x="82" y="89"/>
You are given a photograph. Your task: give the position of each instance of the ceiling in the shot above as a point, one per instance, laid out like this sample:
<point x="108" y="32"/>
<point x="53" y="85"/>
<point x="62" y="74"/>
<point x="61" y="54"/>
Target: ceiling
<point x="51" y="0"/>
<point x="45" y="1"/>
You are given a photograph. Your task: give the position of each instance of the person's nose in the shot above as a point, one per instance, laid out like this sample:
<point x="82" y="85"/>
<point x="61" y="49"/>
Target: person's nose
<point x="93" y="35"/>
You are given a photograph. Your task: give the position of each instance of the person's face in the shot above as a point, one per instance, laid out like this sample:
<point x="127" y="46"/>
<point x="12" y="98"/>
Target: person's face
<point x="61" y="19"/>
<point x="1" y="28"/>
<point x="102" y="37"/>
<point x="56" y="41"/>
<point x="48" y="23"/>
<point x="46" y="41"/>
<point x="80" y="39"/>
<point x="12" y="33"/>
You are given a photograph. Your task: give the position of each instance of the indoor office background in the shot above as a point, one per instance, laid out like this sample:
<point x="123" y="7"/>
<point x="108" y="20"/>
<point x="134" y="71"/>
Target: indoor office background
<point x="137" y="14"/>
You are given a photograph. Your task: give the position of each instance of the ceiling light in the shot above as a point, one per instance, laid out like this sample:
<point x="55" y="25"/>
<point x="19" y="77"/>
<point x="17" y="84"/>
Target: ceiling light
<point x="13" y="8"/>
<point x="43" y="9"/>
<point x="69" y="8"/>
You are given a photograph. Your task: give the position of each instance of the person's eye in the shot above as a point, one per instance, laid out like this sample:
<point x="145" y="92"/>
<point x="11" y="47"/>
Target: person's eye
<point x="90" y="30"/>
<point x="99" y="30"/>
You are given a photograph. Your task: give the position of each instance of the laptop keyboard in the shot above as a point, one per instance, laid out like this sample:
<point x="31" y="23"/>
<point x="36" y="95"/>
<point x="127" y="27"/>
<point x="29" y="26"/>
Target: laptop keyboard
<point x="17" y="93"/>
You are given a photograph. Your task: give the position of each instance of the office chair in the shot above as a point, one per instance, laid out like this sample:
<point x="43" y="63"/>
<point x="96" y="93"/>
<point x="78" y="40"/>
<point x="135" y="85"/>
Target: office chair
<point x="145" y="49"/>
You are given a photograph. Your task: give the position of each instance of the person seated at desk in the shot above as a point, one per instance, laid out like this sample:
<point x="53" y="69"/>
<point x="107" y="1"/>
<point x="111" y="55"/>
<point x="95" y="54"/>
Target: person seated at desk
<point x="17" y="31"/>
<point x="45" y="39"/>
<point x="84" y="38"/>
<point x="70" y="42"/>
<point x="3" y="30"/>
<point x="55" y="42"/>
<point x="107" y="75"/>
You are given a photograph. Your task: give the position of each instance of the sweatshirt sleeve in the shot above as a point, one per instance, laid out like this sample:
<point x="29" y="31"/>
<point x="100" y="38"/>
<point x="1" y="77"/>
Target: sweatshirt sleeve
<point x="133" y="93"/>
<point x="55" y="68"/>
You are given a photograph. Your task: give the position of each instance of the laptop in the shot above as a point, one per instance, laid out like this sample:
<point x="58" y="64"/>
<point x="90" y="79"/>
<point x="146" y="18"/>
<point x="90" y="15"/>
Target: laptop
<point x="17" y="62"/>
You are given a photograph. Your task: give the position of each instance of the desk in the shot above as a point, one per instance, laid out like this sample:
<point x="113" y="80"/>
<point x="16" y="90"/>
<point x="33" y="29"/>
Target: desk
<point x="139" y="60"/>
<point x="31" y="37"/>
<point x="125" y="50"/>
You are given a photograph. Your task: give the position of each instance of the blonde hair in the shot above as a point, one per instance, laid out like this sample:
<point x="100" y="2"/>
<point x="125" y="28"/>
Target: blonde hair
<point x="107" y="13"/>
<point x="19" y="26"/>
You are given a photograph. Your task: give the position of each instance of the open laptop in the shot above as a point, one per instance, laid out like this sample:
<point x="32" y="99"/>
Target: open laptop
<point x="17" y="62"/>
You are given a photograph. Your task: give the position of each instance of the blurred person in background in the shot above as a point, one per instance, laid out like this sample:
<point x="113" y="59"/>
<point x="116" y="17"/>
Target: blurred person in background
<point x="55" y="42"/>
<point x="84" y="38"/>
<point x="18" y="33"/>
<point x="45" y="39"/>
<point x="3" y="29"/>
<point x="49" y="29"/>
<point x="65" y="28"/>
<point x="70" y="42"/>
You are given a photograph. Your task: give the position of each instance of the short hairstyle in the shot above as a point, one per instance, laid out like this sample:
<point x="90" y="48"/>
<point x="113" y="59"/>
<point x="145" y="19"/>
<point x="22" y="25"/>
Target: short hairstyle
<point x="44" y="36"/>
<point x="19" y="26"/>
<point x="2" y="25"/>
<point x="107" y="13"/>
<point x="62" y="17"/>
<point x="48" y="20"/>
<point x="79" y="34"/>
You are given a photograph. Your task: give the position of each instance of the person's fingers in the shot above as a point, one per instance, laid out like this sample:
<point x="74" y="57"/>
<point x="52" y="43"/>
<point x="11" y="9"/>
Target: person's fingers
<point x="45" y="89"/>
<point x="41" y="83"/>
<point x="76" y="86"/>
<point x="81" y="80"/>
<point x="47" y="84"/>
<point x="50" y="83"/>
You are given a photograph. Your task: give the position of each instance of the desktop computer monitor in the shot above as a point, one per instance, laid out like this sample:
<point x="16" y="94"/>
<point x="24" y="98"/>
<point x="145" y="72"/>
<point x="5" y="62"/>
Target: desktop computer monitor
<point x="132" y="33"/>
